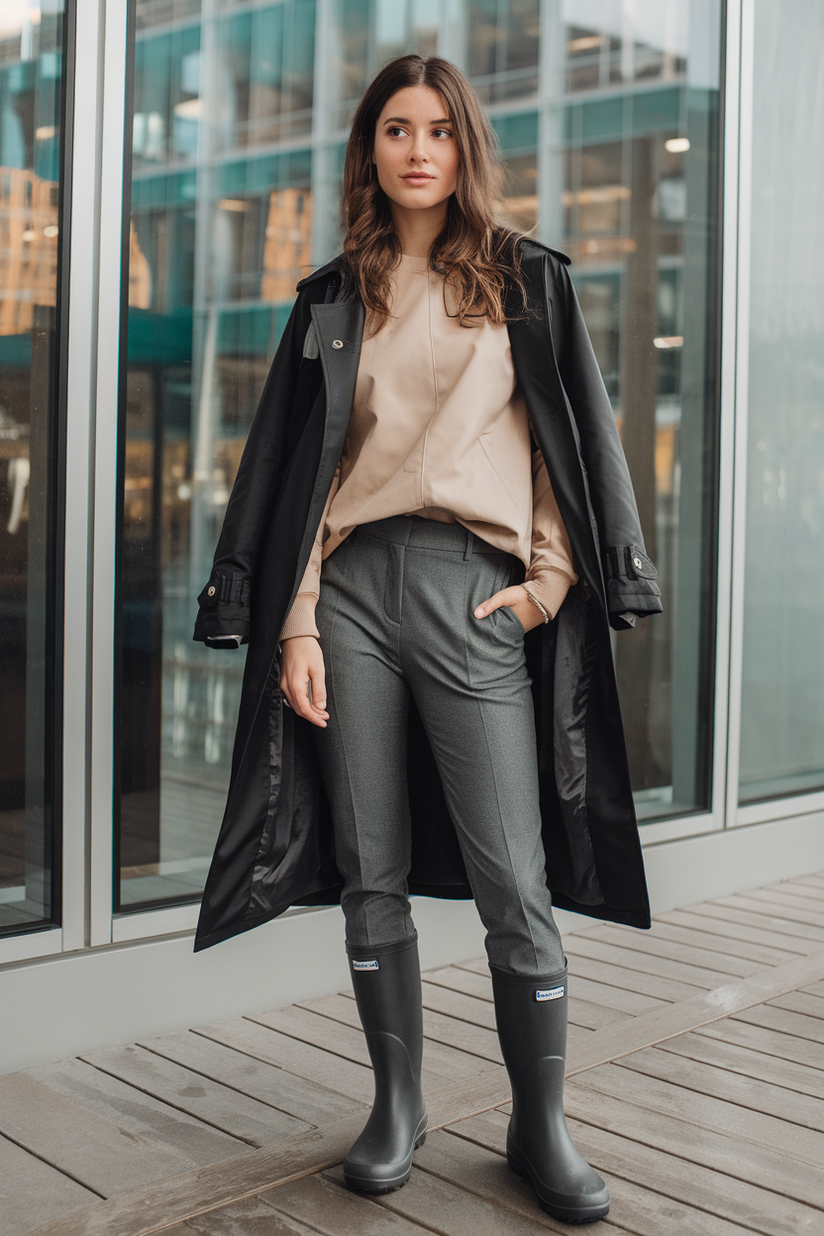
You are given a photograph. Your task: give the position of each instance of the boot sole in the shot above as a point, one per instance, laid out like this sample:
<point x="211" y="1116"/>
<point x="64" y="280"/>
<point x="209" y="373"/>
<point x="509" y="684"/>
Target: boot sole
<point x="566" y="1214"/>
<point x="363" y="1184"/>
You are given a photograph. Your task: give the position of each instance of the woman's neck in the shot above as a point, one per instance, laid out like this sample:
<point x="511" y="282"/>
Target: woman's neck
<point x="417" y="230"/>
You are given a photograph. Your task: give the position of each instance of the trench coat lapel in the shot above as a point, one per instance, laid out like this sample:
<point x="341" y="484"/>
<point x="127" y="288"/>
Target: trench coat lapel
<point x="339" y="332"/>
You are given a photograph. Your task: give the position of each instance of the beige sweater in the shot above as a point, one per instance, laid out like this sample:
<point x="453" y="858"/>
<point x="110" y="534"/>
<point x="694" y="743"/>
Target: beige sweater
<point x="439" y="428"/>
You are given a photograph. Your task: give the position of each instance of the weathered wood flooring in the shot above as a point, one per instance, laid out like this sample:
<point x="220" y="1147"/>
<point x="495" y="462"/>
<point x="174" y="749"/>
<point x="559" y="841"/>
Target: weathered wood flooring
<point x="696" y="1087"/>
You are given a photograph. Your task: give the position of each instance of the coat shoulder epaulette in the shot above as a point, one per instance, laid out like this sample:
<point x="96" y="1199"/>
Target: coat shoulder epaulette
<point x="528" y="243"/>
<point x="330" y="268"/>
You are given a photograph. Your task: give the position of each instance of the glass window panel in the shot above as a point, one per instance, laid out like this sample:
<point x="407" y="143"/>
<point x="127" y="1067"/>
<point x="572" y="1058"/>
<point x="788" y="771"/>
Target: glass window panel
<point x="639" y="215"/>
<point x="503" y="47"/>
<point x="32" y="61"/>
<point x="782" y="705"/>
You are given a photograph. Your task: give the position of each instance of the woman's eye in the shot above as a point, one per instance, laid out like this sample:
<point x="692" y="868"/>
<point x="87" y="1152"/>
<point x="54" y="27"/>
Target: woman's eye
<point x="394" y="130"/>
<point x="438" y="132"/>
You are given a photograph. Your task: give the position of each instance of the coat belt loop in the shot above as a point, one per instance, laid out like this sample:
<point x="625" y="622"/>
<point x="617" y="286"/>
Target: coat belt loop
<point x="470" y="541"/>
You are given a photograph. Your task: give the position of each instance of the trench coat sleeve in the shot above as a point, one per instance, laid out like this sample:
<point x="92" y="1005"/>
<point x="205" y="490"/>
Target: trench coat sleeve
<point x="223" y="619"/>
<point x="629" y="573"/>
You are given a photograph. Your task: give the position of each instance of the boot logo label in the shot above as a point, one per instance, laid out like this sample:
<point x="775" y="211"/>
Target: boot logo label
<point x="366" y="965"/>
<point x="549" y="993"/>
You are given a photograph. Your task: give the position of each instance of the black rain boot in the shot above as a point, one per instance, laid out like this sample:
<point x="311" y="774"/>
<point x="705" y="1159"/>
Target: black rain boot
<point x="531" y="1014"/>
<point x="387" y="983"/>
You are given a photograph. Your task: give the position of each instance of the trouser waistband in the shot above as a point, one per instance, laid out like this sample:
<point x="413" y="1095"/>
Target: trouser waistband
<point x="423" y="533"/>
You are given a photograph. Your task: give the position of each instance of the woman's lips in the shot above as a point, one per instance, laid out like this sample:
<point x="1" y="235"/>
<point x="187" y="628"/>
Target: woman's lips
<point x="419" y="177"/>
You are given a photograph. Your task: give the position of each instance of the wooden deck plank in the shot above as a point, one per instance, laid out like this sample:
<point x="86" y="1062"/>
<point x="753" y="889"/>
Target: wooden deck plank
<point x="237" y="1114"/>
<point x="666" y="1174"/>
<point x="606" y="996"/>
<point x="348" y="1041"/>
<point x="794" y="888"/>
<point x="95" y="1152"/>
<point x="815" y="989"/>
<point x="727" y="924"/>
<point x="797" y="1024"/>
<point x="590" y="946"/>
<point x="481" y="1174"/>
<point x="302" y="1059"/>
<point x="707" y="1112"/>
<point x="456" y="978"/>
<point x="754" y="1092"/>
<point x="458" y="1004"/>
<point x="729" y="946"/>
<point x="633" y="1209"/>
<point x="304" y="1026"/>
<point x="610" y="975"/>
<point x="137" y="1113"/>
<point x="726" y="1154"/>
<point x="809" y="881"/>
<point x="726" y="964"/>
<point x="776" y="897"/>
<point x="252" y="1217"/>
<point x="298" y="1096"/>
<point x="770" y="1042"/>
<point x="32" y="1192"/>
<point x="438" y="1058"/>
<point x="625" y="979"/>
<point x="744" y="909"/>
<point x="749" y="1063"/>
<point x="806" y="1002"/>
<point x="450" y="1210"/>
<point x="610" y="994"/>
<point x="632" y="1034"/>
<point x="333" y="1210"/>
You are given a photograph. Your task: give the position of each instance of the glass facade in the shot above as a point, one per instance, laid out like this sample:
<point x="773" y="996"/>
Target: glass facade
<point x="608" y="121"/>
<point x="31" y="126"/>
<point x="782" y="712"/>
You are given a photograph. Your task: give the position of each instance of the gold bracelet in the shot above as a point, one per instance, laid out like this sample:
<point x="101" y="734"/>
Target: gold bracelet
<point x="536" y="603"/>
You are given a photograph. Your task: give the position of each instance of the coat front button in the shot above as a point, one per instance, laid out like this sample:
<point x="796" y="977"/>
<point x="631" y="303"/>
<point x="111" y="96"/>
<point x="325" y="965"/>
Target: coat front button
<point x="211" y="591"/>
<point x="337" y="343"/>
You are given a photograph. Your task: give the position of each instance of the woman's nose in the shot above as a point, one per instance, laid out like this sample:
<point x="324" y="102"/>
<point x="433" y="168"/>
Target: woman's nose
<point x="418" y="152"/>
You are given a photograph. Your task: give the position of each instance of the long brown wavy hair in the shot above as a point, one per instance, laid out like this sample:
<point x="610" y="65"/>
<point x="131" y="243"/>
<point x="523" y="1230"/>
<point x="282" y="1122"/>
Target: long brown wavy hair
<point x="472" y="252"/>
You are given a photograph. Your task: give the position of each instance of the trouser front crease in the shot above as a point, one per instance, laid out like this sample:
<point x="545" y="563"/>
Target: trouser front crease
<point x="395" y="620"/>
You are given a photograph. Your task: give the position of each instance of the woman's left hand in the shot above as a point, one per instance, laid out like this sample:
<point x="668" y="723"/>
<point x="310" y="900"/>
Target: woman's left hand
<point x="518" y="601"/>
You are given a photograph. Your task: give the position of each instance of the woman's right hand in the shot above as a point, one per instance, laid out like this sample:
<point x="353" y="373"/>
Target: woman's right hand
<point x="302" y="670"/>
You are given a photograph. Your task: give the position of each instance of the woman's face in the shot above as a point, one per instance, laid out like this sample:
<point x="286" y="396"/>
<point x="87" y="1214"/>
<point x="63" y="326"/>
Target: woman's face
<point x="415" y="153"/>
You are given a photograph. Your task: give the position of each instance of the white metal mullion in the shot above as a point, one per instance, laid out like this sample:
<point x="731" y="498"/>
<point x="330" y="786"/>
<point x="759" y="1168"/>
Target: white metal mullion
<point x="741" y="384"/>
<point x="80" y="383"/>
<point x="105" y="470"/>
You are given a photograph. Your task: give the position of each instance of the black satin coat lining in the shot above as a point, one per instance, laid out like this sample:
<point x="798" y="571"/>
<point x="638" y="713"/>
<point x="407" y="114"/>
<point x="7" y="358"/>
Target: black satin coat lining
<point x="575" y="650"/>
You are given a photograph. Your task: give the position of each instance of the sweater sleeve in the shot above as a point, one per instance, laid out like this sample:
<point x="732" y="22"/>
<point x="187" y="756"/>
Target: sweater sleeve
<point x="301" y="617"/>
<point x="550" y="574"/>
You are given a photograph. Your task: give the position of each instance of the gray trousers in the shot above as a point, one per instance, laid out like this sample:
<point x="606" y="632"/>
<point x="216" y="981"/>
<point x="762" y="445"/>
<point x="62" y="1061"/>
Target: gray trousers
<point x="395" y="618"/>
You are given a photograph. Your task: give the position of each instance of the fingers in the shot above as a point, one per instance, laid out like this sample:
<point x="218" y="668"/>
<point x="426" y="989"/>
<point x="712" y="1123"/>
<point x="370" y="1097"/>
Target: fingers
<point x="508" y="596"/>
<point x="303" y="679"/>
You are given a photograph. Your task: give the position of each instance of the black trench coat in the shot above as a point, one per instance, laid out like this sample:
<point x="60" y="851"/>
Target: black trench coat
<point x="275" y="847"/>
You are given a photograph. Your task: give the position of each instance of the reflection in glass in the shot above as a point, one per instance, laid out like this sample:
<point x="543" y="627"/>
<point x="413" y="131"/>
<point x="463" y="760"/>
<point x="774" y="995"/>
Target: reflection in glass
<point x="782" y="703"/>
<point x="31" y="68"/>
<point x="607" y="119"/>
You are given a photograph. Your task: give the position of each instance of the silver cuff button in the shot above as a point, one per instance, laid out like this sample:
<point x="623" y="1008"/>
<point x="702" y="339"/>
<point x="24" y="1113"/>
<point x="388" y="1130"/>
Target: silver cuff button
<point x="211" y="591"/>
<point x="637" y="562"/>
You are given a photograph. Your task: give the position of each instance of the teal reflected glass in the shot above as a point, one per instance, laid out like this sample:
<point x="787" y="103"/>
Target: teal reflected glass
<point x="32" y="68"/>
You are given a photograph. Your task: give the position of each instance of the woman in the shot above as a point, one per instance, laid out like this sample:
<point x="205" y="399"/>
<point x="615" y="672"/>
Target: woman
<point x="432" y="507"/>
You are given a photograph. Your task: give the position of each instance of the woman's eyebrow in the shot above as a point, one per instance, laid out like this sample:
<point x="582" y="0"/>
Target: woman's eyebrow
<point x="403" y="120"/>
